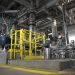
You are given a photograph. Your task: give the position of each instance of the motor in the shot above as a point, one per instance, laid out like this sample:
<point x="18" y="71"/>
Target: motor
<point x="4" y="41"/>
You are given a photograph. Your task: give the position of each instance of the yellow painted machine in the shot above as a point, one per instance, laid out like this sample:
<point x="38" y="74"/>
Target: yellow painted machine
<point x="26" y="44"/>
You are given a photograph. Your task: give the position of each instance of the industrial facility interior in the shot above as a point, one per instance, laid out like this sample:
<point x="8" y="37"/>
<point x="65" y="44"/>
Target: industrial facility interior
<point x="37" y="37"/>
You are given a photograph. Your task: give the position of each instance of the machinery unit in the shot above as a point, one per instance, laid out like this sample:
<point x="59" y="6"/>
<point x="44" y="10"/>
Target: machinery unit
<point x="26" y="44"/>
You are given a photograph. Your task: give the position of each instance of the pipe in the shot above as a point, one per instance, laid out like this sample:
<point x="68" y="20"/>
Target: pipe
<point x="31" y="26"/>
<point x="11" y="11"/>
<point x="65" y="25"/>
<point x="54" y="29"/>
<point x="70" y="5"/>
<point x="49" y="4"/>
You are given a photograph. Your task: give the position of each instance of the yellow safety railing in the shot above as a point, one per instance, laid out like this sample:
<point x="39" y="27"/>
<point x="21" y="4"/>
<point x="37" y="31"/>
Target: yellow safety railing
<point x="25" y="44"/>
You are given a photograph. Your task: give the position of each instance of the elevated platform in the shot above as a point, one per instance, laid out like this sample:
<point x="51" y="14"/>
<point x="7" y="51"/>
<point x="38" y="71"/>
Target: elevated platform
<point x="45" y="64"/>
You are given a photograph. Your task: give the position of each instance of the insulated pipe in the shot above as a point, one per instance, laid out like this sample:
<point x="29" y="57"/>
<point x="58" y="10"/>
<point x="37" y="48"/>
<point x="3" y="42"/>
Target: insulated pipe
<point x="31" y="26"/>
<point x="54" y="29"/>
<point x="65" y="25"/>
<point x="32" y="21"/>
<point x="30" y="37"/>
<point x="10" y="11"/>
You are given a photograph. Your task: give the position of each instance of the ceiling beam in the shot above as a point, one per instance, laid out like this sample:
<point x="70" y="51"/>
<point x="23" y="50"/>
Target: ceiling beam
<point x="10" y="5"/>
<point x="49" y="4"/>
<point x="3" y="2"/>
<point x="23" y="2"/>
<point x="45" y="25"/>
<point x="70" y="5"/>
<point x="2" y="7"/>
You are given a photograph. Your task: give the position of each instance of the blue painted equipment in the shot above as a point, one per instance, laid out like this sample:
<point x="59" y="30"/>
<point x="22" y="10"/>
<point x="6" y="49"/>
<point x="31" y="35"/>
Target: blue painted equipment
<point x="47" y="44"/>
<point x="2" y="39"/>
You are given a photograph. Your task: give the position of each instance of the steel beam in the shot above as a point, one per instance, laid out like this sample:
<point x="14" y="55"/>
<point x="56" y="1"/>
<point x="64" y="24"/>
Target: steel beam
<point x="10" y="5"/>
<point x="70" y="5"/>
<point x="49" y="4"/>
<point x="23" y="2"/>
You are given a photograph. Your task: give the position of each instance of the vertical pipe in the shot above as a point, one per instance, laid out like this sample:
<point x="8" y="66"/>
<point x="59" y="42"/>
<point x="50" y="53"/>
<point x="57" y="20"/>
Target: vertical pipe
<point x="31" y="27"/>
<point x="65" y="25"/>
<point x="54" y="29"/>
<point x="30" y="41"/>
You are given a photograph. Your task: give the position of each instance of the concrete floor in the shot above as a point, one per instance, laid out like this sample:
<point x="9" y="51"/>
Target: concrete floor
<point x="8" y="71"/>
<point x="5" y="71"/>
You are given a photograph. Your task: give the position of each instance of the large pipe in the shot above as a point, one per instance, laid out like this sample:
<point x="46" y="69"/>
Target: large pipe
<point x="31" y="23"/>
<point x="54" y="29"/>
<point x="10" y="11"/>
<point x="24" y="2"/>
<point x="65" y="26"/>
